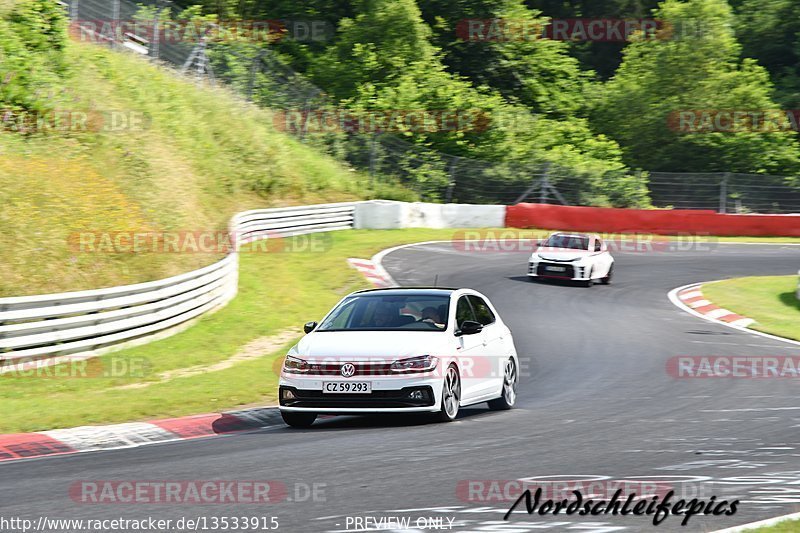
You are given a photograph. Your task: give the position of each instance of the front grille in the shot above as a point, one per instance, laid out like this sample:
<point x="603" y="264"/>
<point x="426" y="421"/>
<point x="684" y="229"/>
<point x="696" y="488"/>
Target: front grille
<point x="569" y="270"/>
<point x="375" y="399"/>
<point x="362" y="369"/>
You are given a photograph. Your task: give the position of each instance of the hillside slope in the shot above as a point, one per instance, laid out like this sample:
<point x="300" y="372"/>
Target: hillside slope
<point x="180" y="157"/>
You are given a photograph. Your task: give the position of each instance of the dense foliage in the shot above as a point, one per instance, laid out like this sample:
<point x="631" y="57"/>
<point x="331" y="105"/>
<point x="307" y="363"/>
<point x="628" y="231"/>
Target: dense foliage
<point x="32" y="40"/>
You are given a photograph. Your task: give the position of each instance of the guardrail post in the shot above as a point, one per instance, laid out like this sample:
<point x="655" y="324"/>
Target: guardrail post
<point x="372" y="149"/>
<point x="155" y="51"/>
<point x="448" y="195"/>
<point x="115" y="23"/>
<point x="723" y="193"/>
<point x="543" y="191"/>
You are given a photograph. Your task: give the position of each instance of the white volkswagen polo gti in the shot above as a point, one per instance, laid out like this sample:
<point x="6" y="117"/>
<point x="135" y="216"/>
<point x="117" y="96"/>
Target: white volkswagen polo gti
<point x="425" y="350"/>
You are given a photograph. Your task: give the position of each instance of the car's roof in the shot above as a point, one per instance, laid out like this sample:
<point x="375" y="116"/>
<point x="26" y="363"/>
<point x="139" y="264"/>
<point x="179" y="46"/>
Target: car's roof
<point x="569" y="234"/>
<point x="409" y="291"/>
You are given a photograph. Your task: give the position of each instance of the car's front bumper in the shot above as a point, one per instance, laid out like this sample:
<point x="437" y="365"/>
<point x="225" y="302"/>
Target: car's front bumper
<point x="572" y="272"/>
<point x="389" y="394"/>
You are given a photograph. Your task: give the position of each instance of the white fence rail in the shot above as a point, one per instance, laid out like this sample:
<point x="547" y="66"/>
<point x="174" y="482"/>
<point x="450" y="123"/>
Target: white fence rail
<point x="288" y="221"/>
<point x="87" y="323"/>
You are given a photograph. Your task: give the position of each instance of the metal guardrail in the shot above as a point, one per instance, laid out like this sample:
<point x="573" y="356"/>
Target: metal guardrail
<point x="289" y="221"/>
<point x="87" y="323"/>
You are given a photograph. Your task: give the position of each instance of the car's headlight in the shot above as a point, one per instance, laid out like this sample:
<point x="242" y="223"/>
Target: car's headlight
<point x="415" y="364"/>
<point x="295" y="365"/>
<point x="534" y="258"/>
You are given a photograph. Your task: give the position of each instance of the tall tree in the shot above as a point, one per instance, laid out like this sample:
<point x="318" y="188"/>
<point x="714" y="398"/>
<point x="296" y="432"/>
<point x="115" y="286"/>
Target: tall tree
<point x="538" y="73"/>
<point x="383" y="60"/>
<point x="697" y="71"/>
<point x="601" y="57"/>
<point x="769" y="31"/>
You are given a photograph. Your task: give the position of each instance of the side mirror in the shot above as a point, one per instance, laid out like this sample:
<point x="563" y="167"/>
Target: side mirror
<point x="469" y="327"/>
<point x="308" y="327"/>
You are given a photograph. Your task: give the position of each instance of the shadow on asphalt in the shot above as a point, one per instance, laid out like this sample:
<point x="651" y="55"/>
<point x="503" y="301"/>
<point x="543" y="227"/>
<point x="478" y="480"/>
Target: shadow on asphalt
<point x="388" y="420"/>
<point x="549" y="281"/>
<point x="708" y="332"/>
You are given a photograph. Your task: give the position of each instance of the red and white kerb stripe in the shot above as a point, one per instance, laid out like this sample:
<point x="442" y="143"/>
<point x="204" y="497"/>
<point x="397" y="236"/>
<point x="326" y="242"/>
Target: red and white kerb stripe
<point x="693" y="298"/>
<point x="374" y="274"/>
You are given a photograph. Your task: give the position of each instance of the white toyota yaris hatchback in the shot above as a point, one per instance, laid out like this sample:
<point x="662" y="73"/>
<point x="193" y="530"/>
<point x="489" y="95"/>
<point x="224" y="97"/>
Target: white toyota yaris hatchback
<point x="429" y="350"/>
<point x="578" y="257"/>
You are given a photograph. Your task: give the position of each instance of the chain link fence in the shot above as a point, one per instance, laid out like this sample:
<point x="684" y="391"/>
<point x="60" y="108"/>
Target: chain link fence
<point x="259" y="75"/>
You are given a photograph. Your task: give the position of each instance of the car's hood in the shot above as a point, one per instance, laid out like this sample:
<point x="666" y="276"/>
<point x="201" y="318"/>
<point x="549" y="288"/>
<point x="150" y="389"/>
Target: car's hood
<point x="368" y="345"/>
<point x="562" y="254"/>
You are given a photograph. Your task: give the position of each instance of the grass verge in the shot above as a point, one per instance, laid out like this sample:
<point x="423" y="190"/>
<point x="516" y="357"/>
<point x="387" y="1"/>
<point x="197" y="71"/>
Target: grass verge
<point x="790" y="526"/>
<point x="769" y="300"/>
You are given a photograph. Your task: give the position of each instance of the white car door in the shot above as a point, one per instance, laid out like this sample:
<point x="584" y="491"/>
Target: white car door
<point x="495" y="351"/>
<point x="470" y="352"/>
<point x="602" y="259"/>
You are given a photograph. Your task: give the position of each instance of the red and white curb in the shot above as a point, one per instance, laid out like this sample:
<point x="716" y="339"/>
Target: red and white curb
<point x="692" y="298"/>
<point x="116" y="436"/>
<point x="373" y="271"/>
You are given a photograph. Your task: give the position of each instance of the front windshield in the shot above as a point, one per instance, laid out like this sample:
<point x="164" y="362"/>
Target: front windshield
<point x="573" y="242"/>
<point x="379" y="312"/>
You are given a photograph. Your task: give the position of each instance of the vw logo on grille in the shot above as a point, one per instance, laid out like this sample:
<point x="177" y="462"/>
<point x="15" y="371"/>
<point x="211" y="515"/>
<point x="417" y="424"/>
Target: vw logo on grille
<point x="348" y="370"/>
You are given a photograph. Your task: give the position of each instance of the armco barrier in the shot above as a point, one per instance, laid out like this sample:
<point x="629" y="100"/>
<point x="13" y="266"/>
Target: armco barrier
<point x="88" y="323"/>
<point x="660" y="222"/>
<point x="385" y="214"/>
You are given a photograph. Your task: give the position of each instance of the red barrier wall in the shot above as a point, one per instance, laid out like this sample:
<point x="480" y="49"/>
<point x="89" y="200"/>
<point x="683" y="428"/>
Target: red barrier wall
<point x="658" y="221"/>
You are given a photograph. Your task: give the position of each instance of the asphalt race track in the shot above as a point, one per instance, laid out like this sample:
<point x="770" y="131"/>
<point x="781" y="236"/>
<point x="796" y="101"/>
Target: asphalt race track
<point x="595" y="402"/>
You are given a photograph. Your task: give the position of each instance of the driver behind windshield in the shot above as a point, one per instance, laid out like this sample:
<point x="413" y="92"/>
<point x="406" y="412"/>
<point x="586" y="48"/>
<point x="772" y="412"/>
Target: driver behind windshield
<point x="384" y="317"/>
<point x="431" y="315"/>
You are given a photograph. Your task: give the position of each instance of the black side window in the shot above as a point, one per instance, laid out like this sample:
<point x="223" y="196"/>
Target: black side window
<point x="597" y="245"/>
<point x="464" y="311"/>
<point x="482" y="311"/>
